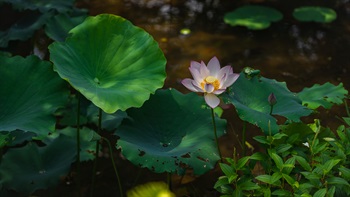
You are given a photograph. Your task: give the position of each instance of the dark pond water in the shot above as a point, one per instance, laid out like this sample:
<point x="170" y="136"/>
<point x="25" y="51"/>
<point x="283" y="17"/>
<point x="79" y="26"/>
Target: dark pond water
<point x="301" y="54"/>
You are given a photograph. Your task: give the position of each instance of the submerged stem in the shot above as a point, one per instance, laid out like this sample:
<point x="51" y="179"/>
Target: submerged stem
<point x="96" y="153"/>
<point x="114" y="166"/>
<point x="215" y="133"/>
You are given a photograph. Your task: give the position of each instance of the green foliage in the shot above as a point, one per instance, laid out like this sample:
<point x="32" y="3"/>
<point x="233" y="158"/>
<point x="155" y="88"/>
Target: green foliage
<point x="30" y="106"/>
<point x="253" y="17"/>
<point x="117" y="66"/>
<point x="323" y="95"/>
<point x="249" y="94"/>
<point x="313" y="164"/>
<point x="31" y="167"/>
<point x="315" y="13"/>
<point x="169" y="133"/>
<point x="59" y="16"/>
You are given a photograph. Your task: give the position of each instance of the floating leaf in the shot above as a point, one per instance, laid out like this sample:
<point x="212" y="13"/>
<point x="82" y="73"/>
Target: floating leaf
<point x="30" y="168"/>
<point x="253" y="17"/>
<point x="169" y="131"/>
<point x="111" y="62"/>
<point x="315" y="13"/>
<point x="323" y="95"/>
<point x="250" y="95"/>
<point x="30" y="93"/>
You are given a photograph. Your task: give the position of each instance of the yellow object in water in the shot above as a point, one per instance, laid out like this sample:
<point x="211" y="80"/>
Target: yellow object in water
<point x="151" y="189"/>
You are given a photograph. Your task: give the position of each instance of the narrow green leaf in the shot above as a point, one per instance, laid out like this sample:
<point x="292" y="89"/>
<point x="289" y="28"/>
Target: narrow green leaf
<point x="261" y="139"/>
<point x="283" y="148"/>
<point x="327" y="167"/>
<point x="277" y="159"/>
<point x="344" y="172"/>
<point x="223" y="180"/>
<point x="258" y="156"/>
<point x="248" y="185"/>
<point x="320" y="193"/>
<point x="281" y="192"/>
<point x="289" y="165"/>
<point x="241" y="162"/>
<point x="226" y="169"/>
<point x="289" y="179"/>
<point x="337" y="181"/>
<point x="303" y="163"/>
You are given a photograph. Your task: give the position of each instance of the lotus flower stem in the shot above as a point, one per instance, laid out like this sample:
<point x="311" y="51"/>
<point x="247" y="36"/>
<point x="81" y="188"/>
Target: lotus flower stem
<point x="215" y="133"/>
<point x="96" y="153"/>
<point x="78" y="148"/>
<point x="114" y="166"/>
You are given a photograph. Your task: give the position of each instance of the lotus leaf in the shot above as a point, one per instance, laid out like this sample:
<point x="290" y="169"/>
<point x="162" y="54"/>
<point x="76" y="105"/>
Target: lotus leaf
<point x="249" y="95"/>
<point x="30" y="168"/>
<point x="30" y="93"/>
<point x="58" y="26"/>
<point x="24" y="27"/>
<point x="170" y="132"/>
<point x="42" y="5"/>
<point x="315" y="13"/>
<point x="111" y="62"/>
<point x="323" y="95"/>
<point x="253" y="17"/>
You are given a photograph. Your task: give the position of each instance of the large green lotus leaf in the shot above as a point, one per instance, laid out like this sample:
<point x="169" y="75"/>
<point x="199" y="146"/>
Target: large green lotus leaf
<point x="170" y="132"/>
<point x="24" y="27"/>
<point x="111" y="62"/>
<point x="58" y="26"/>
<point x="30" y="93"/>
<point x="323" y="95"/>
<point x="253" y="17"/>
<point x="250" y="95"/>
<point x="42" y="5"/>
<point x="30" y="168"/>
<point x="88" y="138"/>
<point x="315" y="13"/>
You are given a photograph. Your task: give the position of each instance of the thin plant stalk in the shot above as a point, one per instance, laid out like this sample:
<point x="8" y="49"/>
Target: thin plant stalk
<point x="78" y="149"/>
<point x="244" y="149"/>
<point x="169" y="180"/>
<point x="346" y="108"/>
<point x="215" y="134"/>
<point x="114" y="166"/>
<point x="96" y="153"/>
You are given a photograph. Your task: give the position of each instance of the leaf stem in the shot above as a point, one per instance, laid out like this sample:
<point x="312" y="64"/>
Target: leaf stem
<point x="78" y="149"/>
<point x="215" y="134"/>
<point x="96" y="153"/>
<point x="114" y="166"/>
<point x="244" y="139"/>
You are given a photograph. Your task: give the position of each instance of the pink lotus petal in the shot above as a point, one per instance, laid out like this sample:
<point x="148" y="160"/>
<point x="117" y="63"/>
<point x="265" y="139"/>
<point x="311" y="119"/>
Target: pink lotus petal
<point x="195" y="74"/>
<point x="219" y="91"/>
<point x="230" y="80"/>
<point x="195" y="65"/>
<point x="204" y="71"/>
<point x="212" y="100"/>
<point x="209" y="88"/>
<point x="188" y="84"/>
<point x="225" y="70"/>
<point x="214" y="66"/>
<point x="197" y="86"/>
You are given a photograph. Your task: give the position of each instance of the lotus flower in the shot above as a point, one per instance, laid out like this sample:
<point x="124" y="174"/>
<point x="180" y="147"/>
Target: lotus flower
<point x="211" y="80"/>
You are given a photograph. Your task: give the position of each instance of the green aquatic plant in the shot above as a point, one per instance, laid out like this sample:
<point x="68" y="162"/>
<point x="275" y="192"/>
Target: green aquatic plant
<point x="315" y="14"/>
<point x="38" y="93"/>
<point x="253" y="17"/>
<point x="111" y="62"/>
<point x="170" y="133"/>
